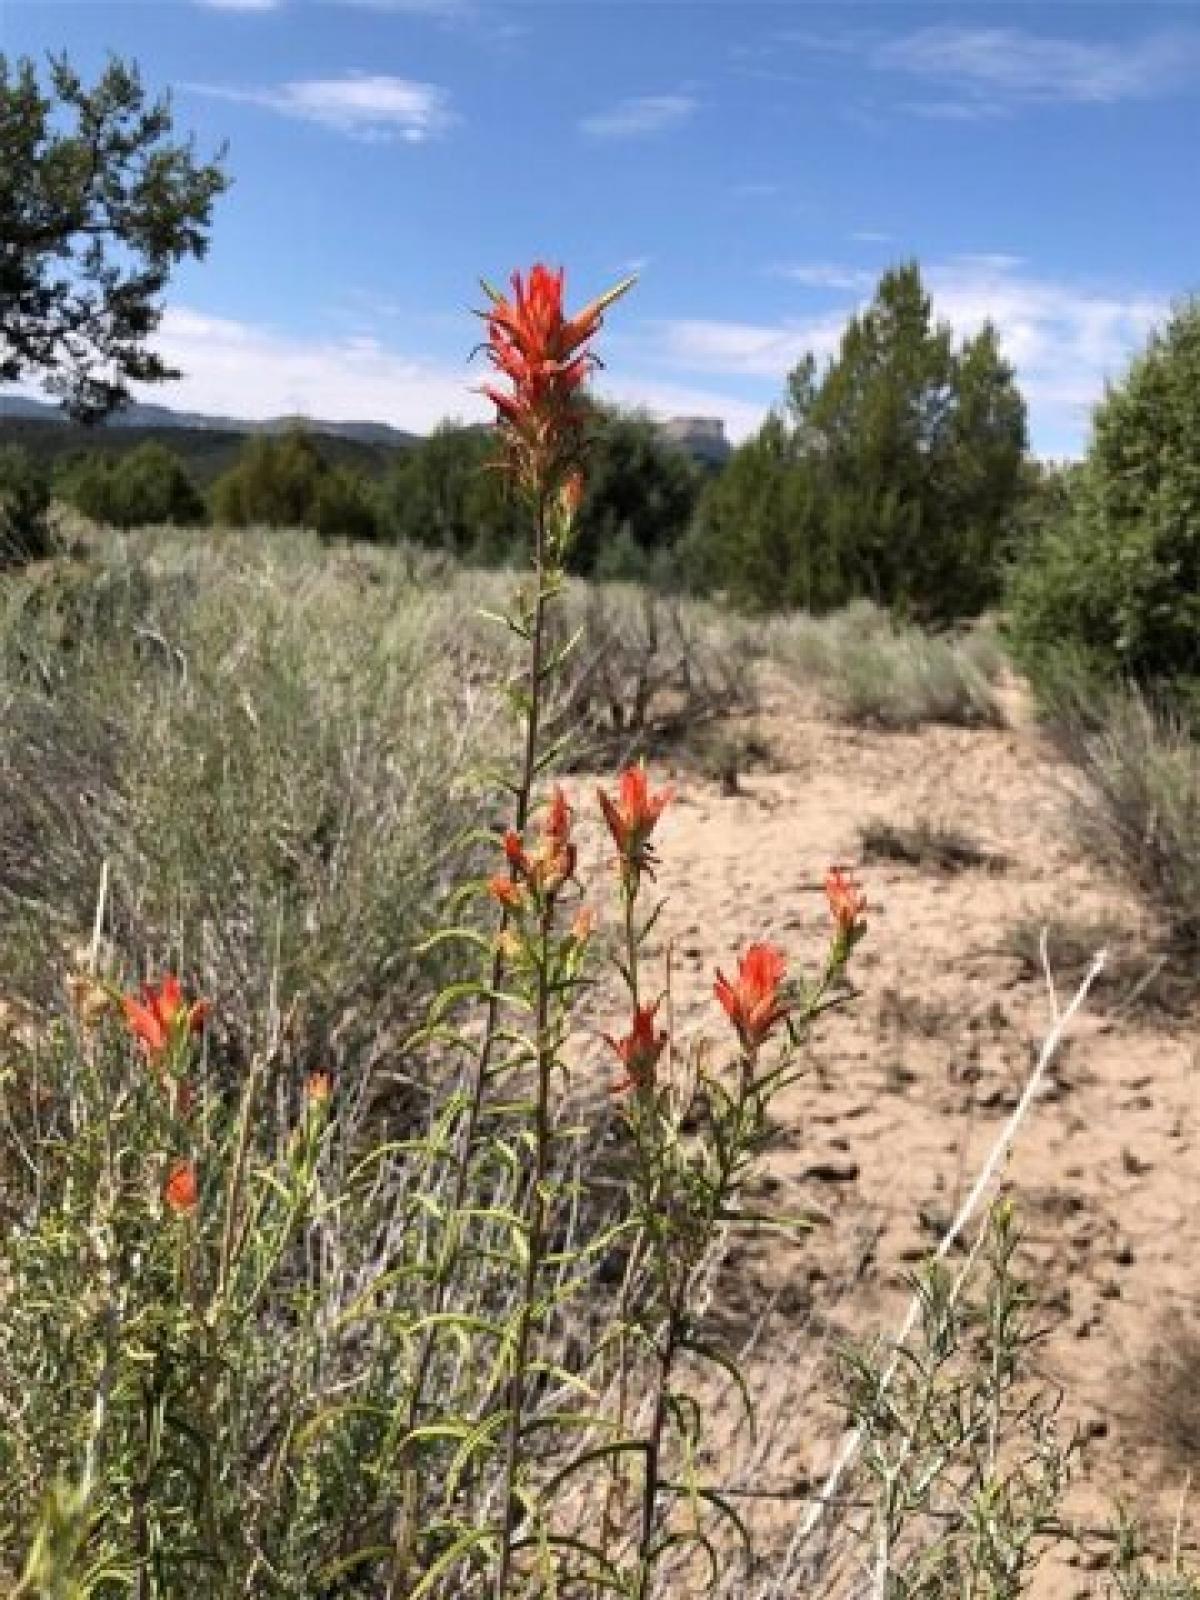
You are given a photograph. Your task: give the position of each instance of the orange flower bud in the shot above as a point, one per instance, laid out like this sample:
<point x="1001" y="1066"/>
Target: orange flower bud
<point x="847" y="906"/>
<point x="180" y="1192"/>
<point x="318" y="1087"/>
<point x="632" y="818"/>
<point x="639" y="1050"/>
<point x="509" y="894"/>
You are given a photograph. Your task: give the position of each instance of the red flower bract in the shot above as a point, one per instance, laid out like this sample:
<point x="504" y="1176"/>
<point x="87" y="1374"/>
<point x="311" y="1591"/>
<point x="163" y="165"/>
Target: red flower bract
<point x="639" y="1050"/>
<point x="160" y="1016"/>
<point x="752" y="1002"/>
<point x="632" y="818"/>
<point x="547" y="866"/>
<point x="542" y="352"/>
<point x="180" y="1193"/>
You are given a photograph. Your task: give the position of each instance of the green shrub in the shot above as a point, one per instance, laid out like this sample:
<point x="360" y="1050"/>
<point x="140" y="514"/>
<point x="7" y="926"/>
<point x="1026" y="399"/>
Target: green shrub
<point x="149" y="487"/>
<point x="640" y="491"/>
<point x="24" y="508"/>
<point x="1112" y="587"/>
<point x="286" y="482"/>
<point x="895" y="474"/>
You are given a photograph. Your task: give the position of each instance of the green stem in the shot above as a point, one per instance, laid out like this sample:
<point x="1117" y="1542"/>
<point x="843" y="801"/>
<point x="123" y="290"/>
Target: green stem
<point x="410" y="1519"/>
<point x="535" y="1245"/>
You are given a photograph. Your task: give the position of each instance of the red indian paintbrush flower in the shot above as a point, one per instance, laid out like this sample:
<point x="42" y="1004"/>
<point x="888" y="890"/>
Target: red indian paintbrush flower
<point x="753" y="1002"/>
<point x="543" y="354"/>
<point x="632" y="818"/>
<point x="180" y="1192"/>
<point x="160" y="1016"/>
<point x="847" y="905"/>
<point x="547" y="866"/>
<point x="510" y="894"/>
<point x="318" y="1087"/>
<point x="639" y="1050"/>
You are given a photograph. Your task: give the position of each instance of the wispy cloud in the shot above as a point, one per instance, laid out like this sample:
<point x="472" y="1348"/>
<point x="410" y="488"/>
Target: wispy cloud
<point x="366" y="106"/>
<point x="870" y="236"/>
<point x="987" y="70"/>
<point x="742" y="349"/>
<point x="825" y="275"/>
<point x="636" y="118"/>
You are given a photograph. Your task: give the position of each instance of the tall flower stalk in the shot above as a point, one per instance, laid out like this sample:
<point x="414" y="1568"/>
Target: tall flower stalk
<point x="541" y="358"/>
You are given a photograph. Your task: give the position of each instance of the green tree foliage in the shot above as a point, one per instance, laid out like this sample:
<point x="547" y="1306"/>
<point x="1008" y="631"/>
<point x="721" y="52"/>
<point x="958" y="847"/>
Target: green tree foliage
<point x="98" y="204"/>
<point x="446" y="493"/>
<point x="757" y="534"/>
<point x="1113" y="583"/>
<point x="640" y="494"/>
<point x="24" y="508"/>
<point x="895" y="473"/>
<point x="285" y="482"/>
<point x="148" y="486"/>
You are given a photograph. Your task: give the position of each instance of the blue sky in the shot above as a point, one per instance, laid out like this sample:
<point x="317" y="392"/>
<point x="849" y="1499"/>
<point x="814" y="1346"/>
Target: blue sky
<point x="757" y="163"/>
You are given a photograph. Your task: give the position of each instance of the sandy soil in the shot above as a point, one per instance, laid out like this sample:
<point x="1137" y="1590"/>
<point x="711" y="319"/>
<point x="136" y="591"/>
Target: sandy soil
<point x="912" y="1084"/>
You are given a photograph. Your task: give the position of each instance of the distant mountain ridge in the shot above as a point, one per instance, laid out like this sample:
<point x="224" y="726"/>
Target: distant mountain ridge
<point x="147" y="415"/>
<point x="703" y="437"/>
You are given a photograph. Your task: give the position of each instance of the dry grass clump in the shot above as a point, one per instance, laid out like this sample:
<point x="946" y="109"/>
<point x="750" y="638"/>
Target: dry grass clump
<point x="930" y="846"/>
<point x="875" y="670"/>
<point x="1169" y="1394"/>
<point x="648" y="673"/>
<point x="1133" y="978"/>
<point x="1138" y="806"/>
<point x="273" y="752"/>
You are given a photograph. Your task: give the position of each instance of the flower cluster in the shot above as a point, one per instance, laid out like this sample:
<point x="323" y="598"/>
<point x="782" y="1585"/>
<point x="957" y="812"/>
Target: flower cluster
<point x="159" y="1018"/>
<point x="544" y="355"/>
<point x="163" y="1024"/>
<point x="538" y="874"/>
<point x="638" y="1051"/>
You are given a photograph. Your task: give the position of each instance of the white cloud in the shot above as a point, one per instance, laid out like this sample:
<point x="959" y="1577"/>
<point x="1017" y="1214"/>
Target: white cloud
<point x="365" y="105"/>
<point x="826" y="275"/>
<point x="1064" y="339"/>
<point x="988" y="68"/>
<point x="232" y="369"/>
<point x="634" y="119"/>
<point x="870" y="236"/>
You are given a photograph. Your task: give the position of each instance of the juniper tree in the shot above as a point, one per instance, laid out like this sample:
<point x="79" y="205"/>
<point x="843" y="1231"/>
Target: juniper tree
<point x="99" y="202"/>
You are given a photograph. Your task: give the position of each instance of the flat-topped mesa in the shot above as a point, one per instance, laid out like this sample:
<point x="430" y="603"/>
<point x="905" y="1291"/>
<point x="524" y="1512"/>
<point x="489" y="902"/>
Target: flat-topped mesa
<point x="701" y="436"/>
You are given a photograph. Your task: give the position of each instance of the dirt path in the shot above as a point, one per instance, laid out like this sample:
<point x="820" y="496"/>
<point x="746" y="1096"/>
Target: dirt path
<point x="911" y="1086"/>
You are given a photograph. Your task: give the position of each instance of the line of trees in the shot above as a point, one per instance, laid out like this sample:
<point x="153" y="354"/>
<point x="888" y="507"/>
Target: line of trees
<point x="898" y="470"/>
